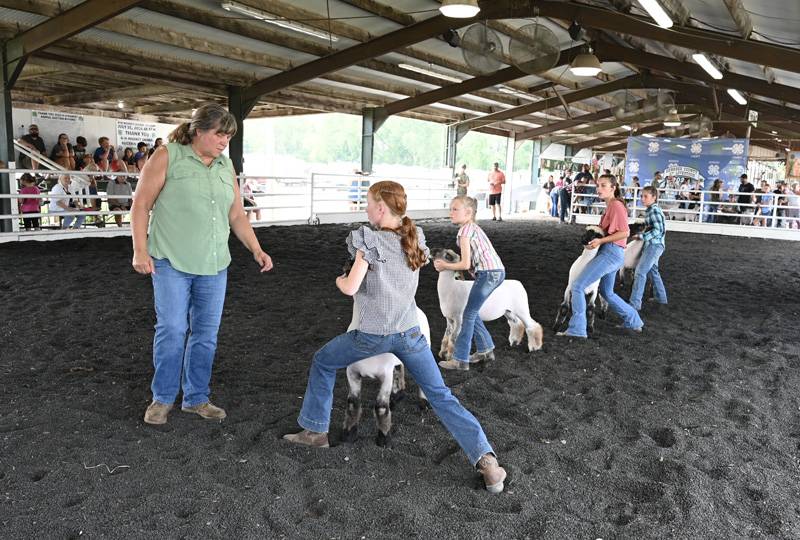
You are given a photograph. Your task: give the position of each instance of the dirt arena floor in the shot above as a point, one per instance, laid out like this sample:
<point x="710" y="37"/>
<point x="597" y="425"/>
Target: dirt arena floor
<point x="690" y="430"/>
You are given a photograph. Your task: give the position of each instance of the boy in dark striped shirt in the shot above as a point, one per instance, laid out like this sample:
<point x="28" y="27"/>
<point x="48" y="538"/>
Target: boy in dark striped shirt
<point x="653" y="237"/>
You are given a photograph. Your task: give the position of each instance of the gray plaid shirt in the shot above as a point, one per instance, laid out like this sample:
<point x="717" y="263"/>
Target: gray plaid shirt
<point x="385" y="300"/>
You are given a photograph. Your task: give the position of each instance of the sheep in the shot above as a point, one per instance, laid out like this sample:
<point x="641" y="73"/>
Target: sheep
<point x="565" y="310"/>
<point x="509" y="300"/>
<point x="390" y="373"/>
<point x="632" y="256"/>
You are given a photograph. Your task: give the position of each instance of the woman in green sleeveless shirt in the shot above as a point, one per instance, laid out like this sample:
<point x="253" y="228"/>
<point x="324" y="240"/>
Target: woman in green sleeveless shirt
<point x="189" y="196"/>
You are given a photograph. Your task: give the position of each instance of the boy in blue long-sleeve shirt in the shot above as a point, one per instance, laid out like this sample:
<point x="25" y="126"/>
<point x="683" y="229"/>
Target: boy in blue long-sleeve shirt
<point x="653" y="238"/>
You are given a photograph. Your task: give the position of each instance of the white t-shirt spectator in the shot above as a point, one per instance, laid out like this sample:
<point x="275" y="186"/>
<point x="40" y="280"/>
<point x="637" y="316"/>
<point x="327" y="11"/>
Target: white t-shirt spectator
<point x="58" y="189"/>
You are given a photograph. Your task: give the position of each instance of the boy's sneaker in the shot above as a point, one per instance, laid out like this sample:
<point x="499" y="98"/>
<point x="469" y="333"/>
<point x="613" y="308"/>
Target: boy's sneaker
<point x="156" y="413"/>
<point x="493" y="474"/>
<point x="207" y="411"/>
<point x="486" y="356"/>
<point x="454" y="364"/>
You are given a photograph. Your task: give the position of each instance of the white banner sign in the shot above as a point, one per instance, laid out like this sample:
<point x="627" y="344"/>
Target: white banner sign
<point x="131" y="133"/>
<point x="52" y="124"/>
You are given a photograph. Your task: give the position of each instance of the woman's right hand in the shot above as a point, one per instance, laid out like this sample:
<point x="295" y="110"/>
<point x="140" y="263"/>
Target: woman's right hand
<point x="143" y="263"/>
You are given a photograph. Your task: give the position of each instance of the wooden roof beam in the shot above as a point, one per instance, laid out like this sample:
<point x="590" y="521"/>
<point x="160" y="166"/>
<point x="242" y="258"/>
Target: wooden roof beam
<point x="612" y="52"/>
<point x="67" y="24"/>
<point x="756" y="52"/>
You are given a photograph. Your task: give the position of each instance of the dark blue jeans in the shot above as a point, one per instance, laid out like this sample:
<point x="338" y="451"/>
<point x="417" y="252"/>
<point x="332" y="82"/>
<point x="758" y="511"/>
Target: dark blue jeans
<point x="414" y="351"/>
<point x="486" y="281"/>
<point x="565" y="197"/>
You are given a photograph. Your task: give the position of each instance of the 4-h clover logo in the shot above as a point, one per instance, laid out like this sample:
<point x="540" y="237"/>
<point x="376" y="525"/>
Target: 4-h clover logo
<point x="652" y="147"/>
<point x="737" y="149"/>
<point x="633" y="167"/>
<point x="697" y="148"/>
<point x="713" y="170"/>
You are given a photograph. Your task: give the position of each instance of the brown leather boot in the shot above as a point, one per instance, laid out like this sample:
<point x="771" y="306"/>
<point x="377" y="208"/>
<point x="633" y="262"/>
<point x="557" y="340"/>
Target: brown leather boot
<point x="308" y="438"/>
<point x="493" y="474"/>
<point x="156" y="413"/>
<point x="207" y="410"/>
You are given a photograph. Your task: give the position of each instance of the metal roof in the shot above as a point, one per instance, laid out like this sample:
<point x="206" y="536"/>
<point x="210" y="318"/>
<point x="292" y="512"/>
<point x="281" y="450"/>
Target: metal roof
<point x="190" y="51"/>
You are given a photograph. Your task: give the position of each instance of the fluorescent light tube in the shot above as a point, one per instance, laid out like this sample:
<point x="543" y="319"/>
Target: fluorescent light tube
<point x="428" y="72"/>
<point x="654" y="9"/>
<point x="629" y="128"/>
<point x="277" y="21"/>
<point x="706" y="64"/>
<point x="737" y="96"/>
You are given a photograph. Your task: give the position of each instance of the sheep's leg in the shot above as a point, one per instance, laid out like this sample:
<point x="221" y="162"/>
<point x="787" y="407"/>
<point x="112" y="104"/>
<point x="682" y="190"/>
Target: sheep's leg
<point x="353" y="414"/>
<point x="603" y="311"/>
<point x="562" y="316"/>
<point x="532" y="328"/>
<point x="590" y="300"/>
<point x="516" y="329"/>
<point x="398" y="385"/>
<point x="383" y="410"/>
<point x="451" y="344"/>
<point x="424" y="404"/>
<point x="446" y="340"/>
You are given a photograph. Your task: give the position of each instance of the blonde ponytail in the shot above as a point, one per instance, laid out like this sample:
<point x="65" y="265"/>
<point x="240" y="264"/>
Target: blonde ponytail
<point x="394" y="196"/>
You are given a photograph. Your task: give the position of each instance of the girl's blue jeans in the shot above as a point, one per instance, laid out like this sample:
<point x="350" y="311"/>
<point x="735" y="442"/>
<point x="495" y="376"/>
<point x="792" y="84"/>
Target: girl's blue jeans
<point x="188" y="313"/>
<point x="648" y="267"/>
<point x="486" y="281"/>
<point x="603" y="267"/>
<point x="414" y="351"/>
<point x="554" y="203"/>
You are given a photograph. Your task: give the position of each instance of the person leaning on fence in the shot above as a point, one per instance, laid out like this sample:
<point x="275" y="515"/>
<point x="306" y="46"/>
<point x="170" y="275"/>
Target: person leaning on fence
<point x="191" y="189"/>
<point x="654" y="245"/>
<point x="64" y="204"/>
<point x="119" y="185"/>
<point x="606" y="263"/>
<point x="384" y="280"/>
<point x="745" y="200"/>
<point x="29" y="206"/>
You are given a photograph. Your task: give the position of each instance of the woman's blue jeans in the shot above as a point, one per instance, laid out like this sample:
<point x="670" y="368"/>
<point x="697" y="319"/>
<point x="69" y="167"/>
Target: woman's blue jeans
<point x="603" y="267"/>
<point x="648" y="267"/>
<point x="554" y="203"/>
<point x="414" y="351"/>
<point x="565" y="198"/>
<point x="486" y="281"/>
<point x="188" y="313"/>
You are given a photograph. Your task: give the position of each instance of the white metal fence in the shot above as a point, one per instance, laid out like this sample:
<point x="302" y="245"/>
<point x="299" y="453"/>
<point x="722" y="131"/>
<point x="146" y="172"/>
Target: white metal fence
<point x="317" y="198"/>
<point x="766" y="215"/>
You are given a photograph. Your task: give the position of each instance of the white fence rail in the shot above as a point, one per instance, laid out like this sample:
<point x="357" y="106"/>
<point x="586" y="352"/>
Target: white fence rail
<point x="767" y="215"/>
<point x="317" y="198"/>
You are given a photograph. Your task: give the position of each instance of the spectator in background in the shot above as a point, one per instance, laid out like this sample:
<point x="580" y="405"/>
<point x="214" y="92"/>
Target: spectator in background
<point x="745" y="200"/>
<point x="29" y="206"/>
<point x="140" y="157"/>
<point x="249" y="200"/>
<point x="782" y="201"/>
<point x="793" y="206"/>
<point x="104" y="154"/>
<point x="158" y="142"/>
<point x="715" y="197"/>
<point x="462" y="181"/>
<point x="34" y="142"/>
<point x="119" y="186"/>
<point x="763" y="207"/>
<point x="118" y="165"/>
<point x="127" y="158"/>
<point x="554" y="195"/>
<point x="63" y="153"/>
<point x="496" y="180"/>
<point x="89" y="165"/>
<point x="584" y="177"/>
<point x="79" y="150"/>
<point x="565" y="196"/>
<point x="64" y="204"/>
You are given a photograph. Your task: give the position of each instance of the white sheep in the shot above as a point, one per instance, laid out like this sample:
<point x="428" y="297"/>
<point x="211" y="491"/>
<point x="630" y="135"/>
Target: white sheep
<point x="389" y="371"/>
<point x="565" y="310"/>
<point x="509" y="300"/>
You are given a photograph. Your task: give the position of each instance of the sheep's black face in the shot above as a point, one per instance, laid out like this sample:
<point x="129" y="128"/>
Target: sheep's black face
<point x="447" y="255"/>
<point x="347" y="266"/>
<point x="590" y="234"/>
<point x="636" y="228"/>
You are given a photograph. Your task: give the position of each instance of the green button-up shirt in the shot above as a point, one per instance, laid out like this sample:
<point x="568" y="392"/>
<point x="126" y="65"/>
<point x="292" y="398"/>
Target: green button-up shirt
<point x="189" y="223"/>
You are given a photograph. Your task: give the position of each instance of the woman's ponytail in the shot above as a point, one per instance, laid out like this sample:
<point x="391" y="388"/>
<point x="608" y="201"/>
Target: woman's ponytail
<point x="410" y="242"/>
<point x="181" y="134"/>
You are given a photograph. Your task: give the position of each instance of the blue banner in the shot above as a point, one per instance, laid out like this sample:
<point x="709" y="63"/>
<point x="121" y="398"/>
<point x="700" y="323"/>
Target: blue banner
<point x="706" y="159"/>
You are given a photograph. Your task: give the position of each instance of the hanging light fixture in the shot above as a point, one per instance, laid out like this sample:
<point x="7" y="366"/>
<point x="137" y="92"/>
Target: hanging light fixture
<point x="672" y="119"/>
<point x="585" y="65"/>
<point x="459" y="9"/>
<point x="120" y="104"/>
